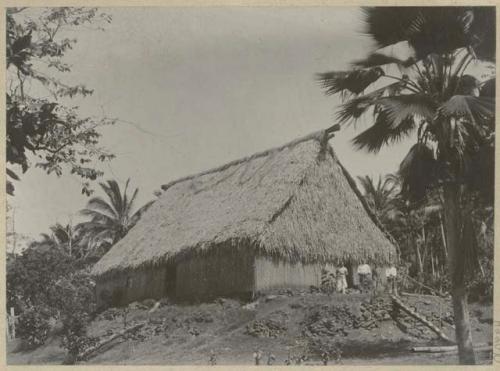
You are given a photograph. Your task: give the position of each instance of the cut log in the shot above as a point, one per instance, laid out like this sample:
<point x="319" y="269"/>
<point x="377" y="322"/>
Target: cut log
<point x="423" y="295"/>
<point x="102" y="343"/>
<point x="450" y="348"/>
<point x="420" y="318"/>
<point x="434" y="291"/>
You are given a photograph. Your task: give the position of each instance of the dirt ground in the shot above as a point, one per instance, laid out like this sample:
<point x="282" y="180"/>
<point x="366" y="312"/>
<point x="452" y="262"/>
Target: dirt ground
<point x="286" y="325"/>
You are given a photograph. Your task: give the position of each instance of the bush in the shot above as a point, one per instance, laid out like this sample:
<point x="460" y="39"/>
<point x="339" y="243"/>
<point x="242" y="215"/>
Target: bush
<point x="33" y="273"/>
<point x="33" y="327"/>
<point x="75" y="339"/>
<point x="481" y="286"/>
<point x="73" y="293"/>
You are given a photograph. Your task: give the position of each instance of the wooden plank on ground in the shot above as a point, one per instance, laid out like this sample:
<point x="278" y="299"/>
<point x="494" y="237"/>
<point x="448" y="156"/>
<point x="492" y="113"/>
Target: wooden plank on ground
<point x="448" y="349"/>
<point x="420" y="318"/>
<point x="102" y="343"/>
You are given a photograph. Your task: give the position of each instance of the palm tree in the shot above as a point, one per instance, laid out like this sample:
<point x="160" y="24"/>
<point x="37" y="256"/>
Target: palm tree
<point x="61" y="237"/>
<point x="405" y="221"/>
<point x="379" y="196"/>
<point x="421" y="86"/>
<point x="110" y="220"/>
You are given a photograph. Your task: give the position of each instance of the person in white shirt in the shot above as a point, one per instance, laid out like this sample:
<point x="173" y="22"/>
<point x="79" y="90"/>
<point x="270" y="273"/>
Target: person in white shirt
<point x="341" y="279"/>
<point x="391" y="274"/>
<point x="364" y="274"/>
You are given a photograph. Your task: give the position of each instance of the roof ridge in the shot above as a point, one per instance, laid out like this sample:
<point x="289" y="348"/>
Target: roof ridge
<point x="317" y="135"/>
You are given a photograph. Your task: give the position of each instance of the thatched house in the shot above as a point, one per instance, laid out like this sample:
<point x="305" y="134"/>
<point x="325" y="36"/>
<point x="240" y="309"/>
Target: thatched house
<point x="267" y="221"/>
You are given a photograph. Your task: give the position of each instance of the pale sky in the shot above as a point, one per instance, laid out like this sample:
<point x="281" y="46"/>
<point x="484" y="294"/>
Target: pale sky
<point x="199" y="87"/>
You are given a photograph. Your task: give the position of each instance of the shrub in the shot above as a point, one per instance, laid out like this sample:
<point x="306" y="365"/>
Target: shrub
<point x="75" y="339"/>
<point x="481" y="286"/>
<point x="31" y="274"/>
<point x="33" y="327"/>
<point x="73" y="293"/>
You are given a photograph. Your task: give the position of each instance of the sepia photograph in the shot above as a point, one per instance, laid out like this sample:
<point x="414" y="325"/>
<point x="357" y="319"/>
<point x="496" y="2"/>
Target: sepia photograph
<point x="245" y="185"/>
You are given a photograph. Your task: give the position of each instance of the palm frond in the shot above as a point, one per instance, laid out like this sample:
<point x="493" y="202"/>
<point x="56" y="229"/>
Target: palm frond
<point x="399" y="108"/>
<point x="356" y="107"/>
<point x="61" y="233"/>
<point x="97" y="203"/>
<point x="467" y="85"/>
<point x="431" y="30"/>
<point x="476" y="109"/>
<point x="11" y="174"/>
<point x="388" y="25"/>
<point x="487" y="88"/>
<point x="382" y="132"/>
<point x="100" y="217"/>
<point x="137" y="215"/>
<point x="417" y="171"/>
<point x="130" y="204"/>
<point x="93" y="226"/>
<point x="378" y="59"/>
<point x="112" y="190"/>
<point x="367" y="184"/>
<point x="355" y="81"/>
<point x="125" y="199"/>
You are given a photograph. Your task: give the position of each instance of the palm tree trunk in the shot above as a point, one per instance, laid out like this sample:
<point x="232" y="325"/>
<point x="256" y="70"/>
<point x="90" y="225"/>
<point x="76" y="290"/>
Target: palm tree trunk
<point x="445" y="249"/>
<point x="432" y="262"/>
<point x="455" y="262"/>
<point x="419" y="258"/>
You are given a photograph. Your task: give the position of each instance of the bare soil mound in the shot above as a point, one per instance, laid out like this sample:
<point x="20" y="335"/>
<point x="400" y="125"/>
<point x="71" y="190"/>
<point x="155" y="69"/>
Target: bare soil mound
<point x="286" y="327"/>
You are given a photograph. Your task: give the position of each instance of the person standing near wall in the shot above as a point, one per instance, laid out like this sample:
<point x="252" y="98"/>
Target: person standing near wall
<point x="341" y="279"/>
<point x="364" y="274"/>
<point x="391" y="275"/>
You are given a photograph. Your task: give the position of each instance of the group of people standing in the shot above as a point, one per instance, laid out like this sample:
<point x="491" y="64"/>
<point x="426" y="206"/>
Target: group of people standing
<point x="368" y="279"/>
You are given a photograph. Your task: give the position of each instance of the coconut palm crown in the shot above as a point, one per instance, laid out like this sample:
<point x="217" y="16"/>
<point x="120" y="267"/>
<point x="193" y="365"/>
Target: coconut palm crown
<point x="111" y="219"/>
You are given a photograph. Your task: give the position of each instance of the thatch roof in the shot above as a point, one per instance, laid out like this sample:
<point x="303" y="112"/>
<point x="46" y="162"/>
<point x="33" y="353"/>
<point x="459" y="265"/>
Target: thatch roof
<point x="295" y="202"/>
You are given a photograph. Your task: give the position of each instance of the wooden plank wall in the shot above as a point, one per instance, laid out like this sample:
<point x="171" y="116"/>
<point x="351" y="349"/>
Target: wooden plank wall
<point x="136" y="285"/>
<point x="273" y="274"/>
<point x="213" y="275"/>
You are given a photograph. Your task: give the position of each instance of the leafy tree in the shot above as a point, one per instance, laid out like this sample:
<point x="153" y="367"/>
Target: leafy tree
<point x="111" y="219"/>
<point x="44" y="126"/>
<point x="31" y="274"/>
<point x="435" y="98"/>
<point x="45" y="282"/>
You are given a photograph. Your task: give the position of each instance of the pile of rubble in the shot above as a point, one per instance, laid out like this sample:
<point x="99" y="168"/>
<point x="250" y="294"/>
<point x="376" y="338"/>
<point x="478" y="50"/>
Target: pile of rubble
<point x="416" y="328"/>
<point x="328" y="320"/>
<point x="334" y="320"/>
<point x="272" y="326"/>
<point x="378" y="310"/>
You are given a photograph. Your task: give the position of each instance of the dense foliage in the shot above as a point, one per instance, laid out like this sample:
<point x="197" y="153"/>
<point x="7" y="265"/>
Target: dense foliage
<point x="418" y="83"/>
<point x="419" y="232"/>
<point x="51" y="281"/>
<point x="33" y="326"/>
<point x="39" y="120"/>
